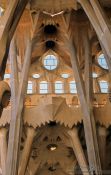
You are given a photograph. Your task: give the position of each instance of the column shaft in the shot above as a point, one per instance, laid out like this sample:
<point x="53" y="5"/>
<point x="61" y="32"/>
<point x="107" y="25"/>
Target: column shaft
<point x="3" y="148"/>
<point x="102" y="133"/>
<point x="78" y="150"/>
<point x="26" y="151"/>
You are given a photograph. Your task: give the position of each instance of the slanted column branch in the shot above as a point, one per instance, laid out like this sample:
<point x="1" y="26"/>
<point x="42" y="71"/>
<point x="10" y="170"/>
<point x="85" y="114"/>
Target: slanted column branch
<point x="99" y="21"/>
<point x="3" y="148"/>
<point x="26" y="151"/>
<point x="88" y="116"/>
<point x="78" y="150"/>
<point x="16" y="118"/>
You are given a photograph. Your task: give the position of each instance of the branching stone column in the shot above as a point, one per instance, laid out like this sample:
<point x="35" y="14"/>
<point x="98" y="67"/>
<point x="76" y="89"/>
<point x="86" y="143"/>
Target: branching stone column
<point x="102" y="133"/>
<point x="78" y="150"/>
<point x="9" y="24"/>
<point x="16" y="118"/>
<point x="26" y="151"/>
<point x="87" y="112"/>
<point x="108" y="60"/>
<point x="3" y="148"/>
<point x="34" y="172"/>
<point x="99" y="21"/>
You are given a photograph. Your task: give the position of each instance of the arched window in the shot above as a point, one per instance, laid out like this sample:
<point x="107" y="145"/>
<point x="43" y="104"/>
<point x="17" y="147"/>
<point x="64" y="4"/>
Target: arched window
<point x="29" y="87"/>
<point x="72" y="85"/>
<point x="59" y="87"/>
<point x="102" y="61"/>
<point x="43" y="87"/>
<point x="104" y="86"/>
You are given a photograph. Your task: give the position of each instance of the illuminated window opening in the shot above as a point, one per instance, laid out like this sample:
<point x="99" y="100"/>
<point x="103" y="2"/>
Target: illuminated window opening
<point x="59" y="87"/>
<point x="43" y="87"/>
<point x="104" y="86"/>
<point x="50" y="62"/>
<point x="29" y="87"/>
<point x="65" y="75"/>
<point x="55" y="14"/>
<point x="1" y="11"/>
<point x="102" y="61"/>
<point x="94" y="75"/>
<point x="73" y="89"/>
<point x="6" y="76"/>
<point x="36" y="76"/>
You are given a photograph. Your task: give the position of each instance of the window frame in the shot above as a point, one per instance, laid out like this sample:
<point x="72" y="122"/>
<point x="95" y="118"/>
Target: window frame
<point x="45" y="89"/>
<point x="30" y="87"/>
<point x="73" y="90"/>
<point x="103" y="89"/>
<point x="47" y="62"/>
<point x="102" y="61"/>
<point x="59" y="90"/>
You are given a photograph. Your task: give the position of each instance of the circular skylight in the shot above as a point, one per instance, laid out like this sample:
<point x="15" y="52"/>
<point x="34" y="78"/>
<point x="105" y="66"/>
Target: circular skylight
<point x="36" y="76"/>
<point x="65" y="75"/>
<point x="50" y="62"/>
<point x="102" y="61"/>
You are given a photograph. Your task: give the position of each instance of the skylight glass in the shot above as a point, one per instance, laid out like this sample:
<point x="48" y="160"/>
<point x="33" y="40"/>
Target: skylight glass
<point x="102" y="61"/>
<point x="104" y="86"/>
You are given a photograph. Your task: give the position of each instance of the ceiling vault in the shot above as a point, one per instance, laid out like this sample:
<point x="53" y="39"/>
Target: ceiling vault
<point x="55" y="87"/>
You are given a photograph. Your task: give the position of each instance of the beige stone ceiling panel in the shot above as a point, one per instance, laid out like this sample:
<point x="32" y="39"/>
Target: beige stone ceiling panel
<point x="53" y="6"/>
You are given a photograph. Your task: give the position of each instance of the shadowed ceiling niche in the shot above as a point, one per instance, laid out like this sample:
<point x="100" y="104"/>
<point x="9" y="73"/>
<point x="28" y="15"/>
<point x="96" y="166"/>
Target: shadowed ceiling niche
<point x="50" y="29"/>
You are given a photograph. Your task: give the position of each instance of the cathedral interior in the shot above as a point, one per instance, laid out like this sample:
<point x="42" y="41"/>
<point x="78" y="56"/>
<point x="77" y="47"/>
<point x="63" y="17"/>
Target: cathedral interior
<point x="55" y="87"/>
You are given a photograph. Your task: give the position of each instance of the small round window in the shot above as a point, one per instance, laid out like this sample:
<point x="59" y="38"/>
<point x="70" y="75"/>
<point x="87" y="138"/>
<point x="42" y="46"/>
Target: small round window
<point x="102" y="61"/>
<point x="94" y="75"/>
<point x="50" y="62"/>
<point x="65" y="75"/>
<point x="36" y="76"/>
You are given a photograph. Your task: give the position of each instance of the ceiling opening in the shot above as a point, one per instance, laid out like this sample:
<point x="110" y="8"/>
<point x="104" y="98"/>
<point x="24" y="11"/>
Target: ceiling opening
<point x="50" y="29"/>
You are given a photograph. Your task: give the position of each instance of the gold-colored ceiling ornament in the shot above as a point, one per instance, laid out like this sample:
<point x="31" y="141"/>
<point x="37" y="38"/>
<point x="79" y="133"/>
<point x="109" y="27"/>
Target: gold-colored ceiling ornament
<point x="51" y="147"/>
<point x="53" y="156"/>
<point x="53" y="7"/>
